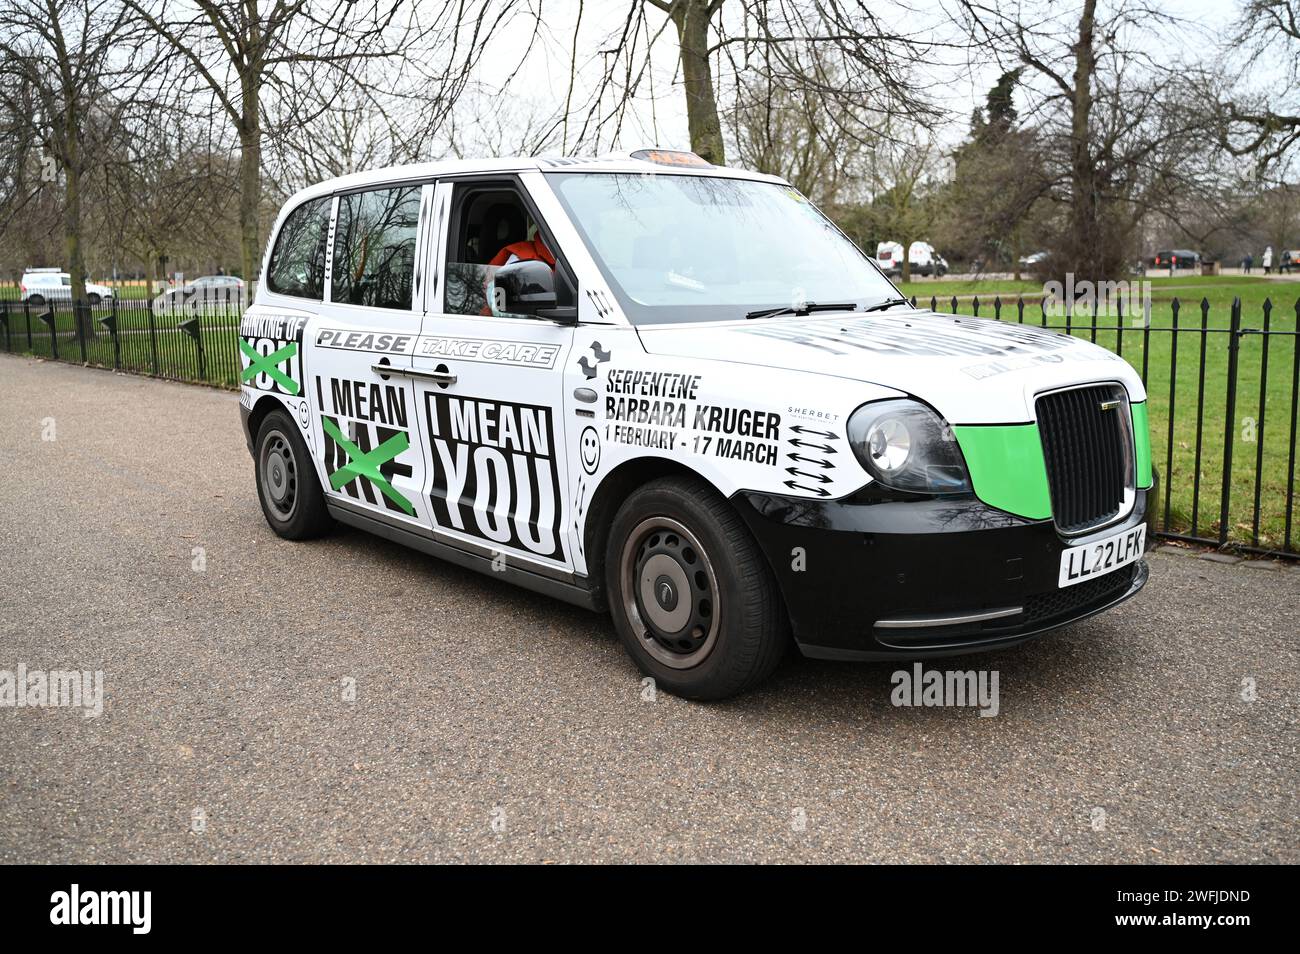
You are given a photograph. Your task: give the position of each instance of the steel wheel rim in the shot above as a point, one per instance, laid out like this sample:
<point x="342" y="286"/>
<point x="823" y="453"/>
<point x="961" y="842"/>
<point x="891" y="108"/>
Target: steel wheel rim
<point x="670" y="592"/>
<point x="279" y="476"/>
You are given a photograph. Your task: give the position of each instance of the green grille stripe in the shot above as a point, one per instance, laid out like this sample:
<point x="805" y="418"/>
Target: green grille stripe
<point x="1142" y="445"/>
<point x="1006" y="467"/>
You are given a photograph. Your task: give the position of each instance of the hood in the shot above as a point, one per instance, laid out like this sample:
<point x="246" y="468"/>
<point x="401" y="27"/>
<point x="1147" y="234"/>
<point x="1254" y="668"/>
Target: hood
<point x="972" y="370"/>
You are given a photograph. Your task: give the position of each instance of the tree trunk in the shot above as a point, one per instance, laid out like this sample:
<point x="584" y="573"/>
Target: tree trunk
<point x="1085" y="223"/>
<point x="907" y="260"/>
<point x="250" y="200"/>
<point x="72" y="233"/>
<point x="250" y="176"/>
<point x="691" y="18"/>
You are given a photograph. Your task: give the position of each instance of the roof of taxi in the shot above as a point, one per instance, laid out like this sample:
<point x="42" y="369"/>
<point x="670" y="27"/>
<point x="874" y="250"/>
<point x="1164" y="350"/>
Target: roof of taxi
<point x="619" y="162"/>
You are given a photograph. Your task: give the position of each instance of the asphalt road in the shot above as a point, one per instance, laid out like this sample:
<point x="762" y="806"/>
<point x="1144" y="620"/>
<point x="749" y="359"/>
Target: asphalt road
<point x="491" y="724"/>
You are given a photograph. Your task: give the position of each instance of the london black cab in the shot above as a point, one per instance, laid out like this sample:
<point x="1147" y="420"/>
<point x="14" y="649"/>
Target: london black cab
<point x="676" y="392"/>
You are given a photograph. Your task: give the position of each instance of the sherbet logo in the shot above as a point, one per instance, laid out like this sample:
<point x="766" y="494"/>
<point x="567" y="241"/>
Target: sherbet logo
<point x="103" y="907"/>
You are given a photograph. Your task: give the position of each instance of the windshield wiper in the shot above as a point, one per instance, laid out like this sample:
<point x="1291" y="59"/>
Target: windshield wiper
<point x="888" y="303"/>
<point x="806" y="308"/>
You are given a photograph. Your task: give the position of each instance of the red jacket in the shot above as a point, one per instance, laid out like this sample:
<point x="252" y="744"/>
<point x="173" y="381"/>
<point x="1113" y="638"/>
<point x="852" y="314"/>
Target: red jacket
<point x="526" y="251"/>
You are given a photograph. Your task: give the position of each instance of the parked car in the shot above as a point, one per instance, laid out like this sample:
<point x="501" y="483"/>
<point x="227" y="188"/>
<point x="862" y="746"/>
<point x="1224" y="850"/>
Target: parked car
<point x="924" y="260"/>
<point x="40" y="285"/>
<point x="1176" y="258"/>
<point x="207" y="290"/>
<point x="590" y="378"/>
<point x="1033" y="259"/>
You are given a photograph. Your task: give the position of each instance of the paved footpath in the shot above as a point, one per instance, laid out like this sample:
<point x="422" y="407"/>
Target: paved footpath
<point x="491" y="724"/>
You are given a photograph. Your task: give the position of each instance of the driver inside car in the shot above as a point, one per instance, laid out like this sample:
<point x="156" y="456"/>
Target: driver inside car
<point x="531" y="249"/>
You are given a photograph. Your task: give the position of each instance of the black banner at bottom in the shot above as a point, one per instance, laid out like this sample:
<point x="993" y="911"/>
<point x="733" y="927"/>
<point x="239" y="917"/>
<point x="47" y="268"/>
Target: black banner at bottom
<point x="209" y="903"/>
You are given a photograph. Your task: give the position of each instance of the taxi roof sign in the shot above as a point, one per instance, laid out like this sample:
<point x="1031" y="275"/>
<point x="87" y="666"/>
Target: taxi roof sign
<point x="670" y="157"/>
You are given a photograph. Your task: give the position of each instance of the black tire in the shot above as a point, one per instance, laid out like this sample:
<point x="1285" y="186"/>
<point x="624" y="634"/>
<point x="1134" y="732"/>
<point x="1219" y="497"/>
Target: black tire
<point x="287" y="487"/>
<point x="36" y="300"/>
<point x="682" y="532"/>
<point x="92" y="299"/>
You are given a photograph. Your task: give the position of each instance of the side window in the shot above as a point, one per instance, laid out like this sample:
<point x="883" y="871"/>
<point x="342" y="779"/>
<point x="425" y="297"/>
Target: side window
<point x="298" y="260"/>
<point x="491" y="228"/>
<point x="374" y="248"/>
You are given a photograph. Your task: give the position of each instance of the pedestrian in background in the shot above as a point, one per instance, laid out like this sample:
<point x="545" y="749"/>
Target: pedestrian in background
<point x="1268" y="259"/>
<point x="1246" y="263"/>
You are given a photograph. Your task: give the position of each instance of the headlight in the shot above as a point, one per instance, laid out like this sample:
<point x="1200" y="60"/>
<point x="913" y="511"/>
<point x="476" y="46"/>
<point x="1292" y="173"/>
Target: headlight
<point x="906" y="446"/>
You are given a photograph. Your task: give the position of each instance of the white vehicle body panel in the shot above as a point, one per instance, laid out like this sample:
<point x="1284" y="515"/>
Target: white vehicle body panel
<point x="971" y="370"/>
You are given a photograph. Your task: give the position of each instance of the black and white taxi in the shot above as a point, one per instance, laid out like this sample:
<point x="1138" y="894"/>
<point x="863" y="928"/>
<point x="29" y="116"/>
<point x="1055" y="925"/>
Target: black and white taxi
<point x="677" y="392"/>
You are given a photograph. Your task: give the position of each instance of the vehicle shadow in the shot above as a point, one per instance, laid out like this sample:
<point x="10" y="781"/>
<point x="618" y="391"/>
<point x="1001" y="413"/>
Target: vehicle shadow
<point x="1044" y="677"/>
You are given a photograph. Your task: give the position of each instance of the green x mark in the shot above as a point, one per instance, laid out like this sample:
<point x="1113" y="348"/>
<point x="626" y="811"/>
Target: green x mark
<point x="367" y="463"/>
<point x="269" y="363"/>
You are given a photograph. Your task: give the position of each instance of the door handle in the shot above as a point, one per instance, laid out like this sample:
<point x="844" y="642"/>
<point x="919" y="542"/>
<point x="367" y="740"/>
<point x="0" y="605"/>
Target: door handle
<point x="438" y="377"/>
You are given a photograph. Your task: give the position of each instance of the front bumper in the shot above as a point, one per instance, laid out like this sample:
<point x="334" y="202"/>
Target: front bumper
<point x="246" y="426"/>
<point x="844" y="565"/>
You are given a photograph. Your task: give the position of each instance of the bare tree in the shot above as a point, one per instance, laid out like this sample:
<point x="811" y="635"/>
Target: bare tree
<point x="1263" y="123"/>
<point x="274" y="67"/>
<point x="795" y="133"/>
<point x="62" y="63"/>
<point x="838" y="50"/>
<point x="904" y="175"/>
<point x="165" y="190"/>
<point x="1120" y="139"/>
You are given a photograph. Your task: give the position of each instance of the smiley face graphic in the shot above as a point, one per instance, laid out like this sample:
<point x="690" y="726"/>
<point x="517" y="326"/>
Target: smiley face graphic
<point x="589" y="450"/>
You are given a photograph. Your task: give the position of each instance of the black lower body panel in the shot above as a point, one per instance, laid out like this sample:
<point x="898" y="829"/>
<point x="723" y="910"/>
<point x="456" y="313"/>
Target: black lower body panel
<point x="944" y="576"/>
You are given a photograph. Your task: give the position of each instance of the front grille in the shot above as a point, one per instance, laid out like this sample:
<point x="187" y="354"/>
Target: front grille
<point x="1049" y="606"/>
<point x="1088" y="450"/>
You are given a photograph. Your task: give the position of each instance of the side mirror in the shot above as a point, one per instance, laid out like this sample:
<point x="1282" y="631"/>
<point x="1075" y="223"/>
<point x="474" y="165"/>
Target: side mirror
<point x="523" y="288"/>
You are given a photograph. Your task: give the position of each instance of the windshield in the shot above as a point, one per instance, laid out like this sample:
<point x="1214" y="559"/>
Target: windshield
<point x="677" y="248"/>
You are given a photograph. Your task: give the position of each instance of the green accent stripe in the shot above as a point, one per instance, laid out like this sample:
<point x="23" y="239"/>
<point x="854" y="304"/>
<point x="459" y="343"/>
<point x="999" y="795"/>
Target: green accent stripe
<point x="367" y="463"/>
<point x="1142" y="442"/>
<point x="1006" y="467"/>
<point x="259" y="363"/>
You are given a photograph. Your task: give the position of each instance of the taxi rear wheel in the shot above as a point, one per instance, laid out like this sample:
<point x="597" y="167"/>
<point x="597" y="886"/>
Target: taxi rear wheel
<point x="693" y="599"/>
<point x="287" y="487"/>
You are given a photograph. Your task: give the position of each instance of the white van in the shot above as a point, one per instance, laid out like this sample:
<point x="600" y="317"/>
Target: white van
<point x="676" y="392"/>
<point x="923" y="258"/>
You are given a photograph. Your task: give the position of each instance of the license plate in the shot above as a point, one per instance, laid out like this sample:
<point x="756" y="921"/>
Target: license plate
<point x="1104" y="556"/>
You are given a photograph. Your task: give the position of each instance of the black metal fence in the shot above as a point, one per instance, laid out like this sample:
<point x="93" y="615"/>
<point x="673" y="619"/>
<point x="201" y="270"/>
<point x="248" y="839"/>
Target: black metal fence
<point x="1223" y="389"/>
<point x="186" y="343"/>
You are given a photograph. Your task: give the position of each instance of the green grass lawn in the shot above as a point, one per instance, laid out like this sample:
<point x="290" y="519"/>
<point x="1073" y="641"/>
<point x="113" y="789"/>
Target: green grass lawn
<point x="1156" y="348"/>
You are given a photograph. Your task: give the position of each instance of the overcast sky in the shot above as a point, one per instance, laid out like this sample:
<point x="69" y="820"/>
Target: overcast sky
<point x="956" y="83"/>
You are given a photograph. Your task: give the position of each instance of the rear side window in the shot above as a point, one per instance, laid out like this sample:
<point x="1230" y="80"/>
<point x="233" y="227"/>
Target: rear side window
<point x="374" y="248"/>
<point x="298" y="259"/>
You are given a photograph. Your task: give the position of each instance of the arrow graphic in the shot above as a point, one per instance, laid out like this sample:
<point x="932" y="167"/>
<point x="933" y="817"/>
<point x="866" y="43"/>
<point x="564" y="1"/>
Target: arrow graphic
<point x="820" y="492"/>
<point x="815" y="461"/>
<point x="829" y="435"/>
<point x="824" y="448"/>
<point x="799" y="473"/>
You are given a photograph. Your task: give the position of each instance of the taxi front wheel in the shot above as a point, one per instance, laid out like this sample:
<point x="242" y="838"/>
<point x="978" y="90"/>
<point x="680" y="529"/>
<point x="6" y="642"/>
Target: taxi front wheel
<point x="287" y="487"/>
<point x="693" y="599"/>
